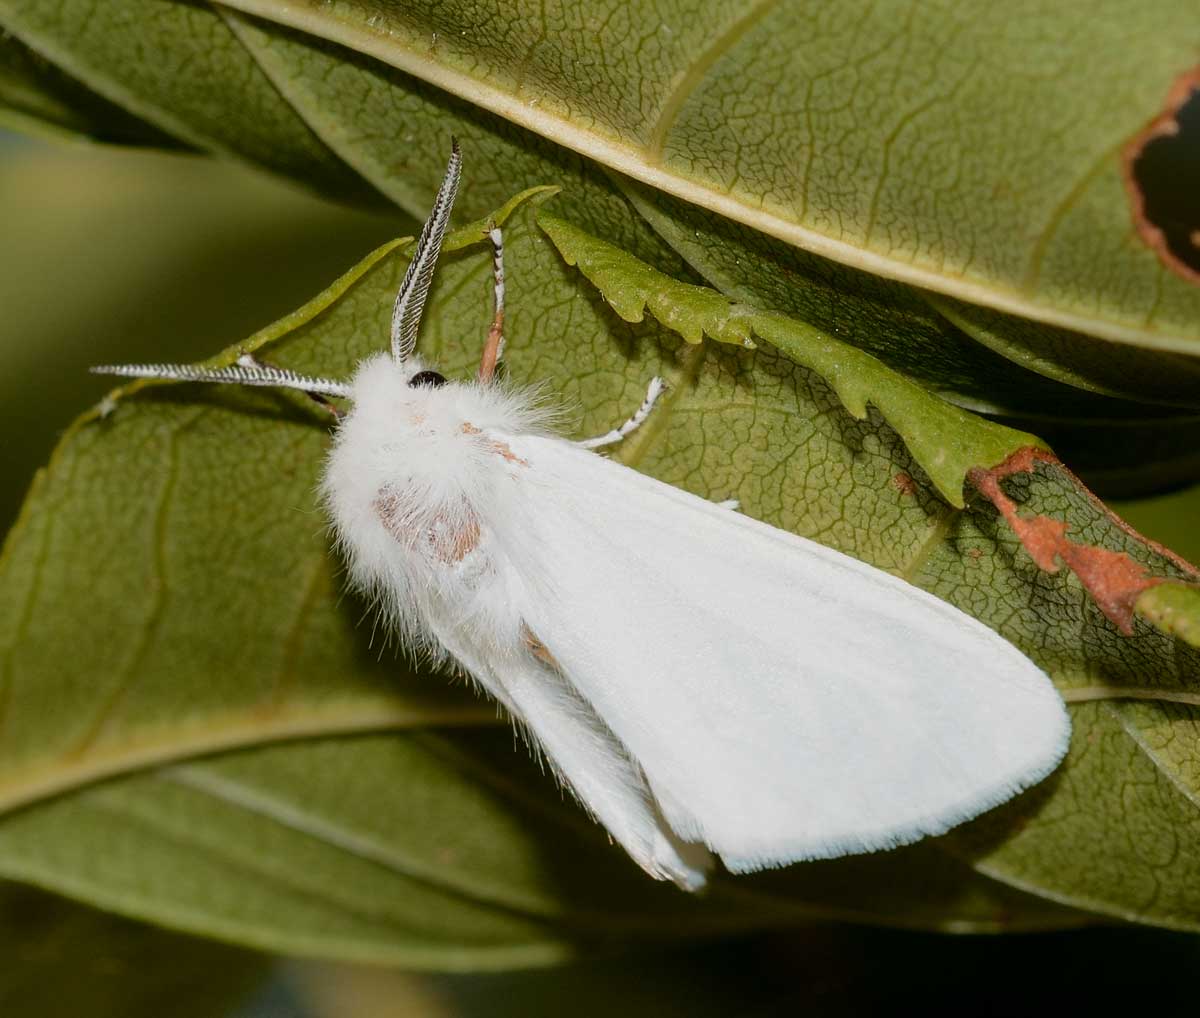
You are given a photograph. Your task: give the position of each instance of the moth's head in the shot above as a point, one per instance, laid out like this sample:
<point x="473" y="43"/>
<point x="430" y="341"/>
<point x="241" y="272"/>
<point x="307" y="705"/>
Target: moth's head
<point x="383" y="385"/>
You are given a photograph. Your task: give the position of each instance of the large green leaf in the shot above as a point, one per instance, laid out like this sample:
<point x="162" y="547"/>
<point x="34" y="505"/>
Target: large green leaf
<point x="210" y="617"/>
<point x="201" y="86"/>
<point x="969" y="150"/>
<point x="36" y="95"/>
<point x="362" y="107"/>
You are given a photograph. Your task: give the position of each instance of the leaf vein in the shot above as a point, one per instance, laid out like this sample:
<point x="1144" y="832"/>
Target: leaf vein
<point x="696" y="74"/>
<point x="159" y="590"/>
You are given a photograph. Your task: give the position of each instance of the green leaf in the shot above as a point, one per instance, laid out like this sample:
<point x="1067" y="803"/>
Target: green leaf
<point x="201" y="87"/>
<point x="35" y="95"/>
<point x="1147" y="375"/>
<point x="973" y="153"/>
<point x="203" y="850"/>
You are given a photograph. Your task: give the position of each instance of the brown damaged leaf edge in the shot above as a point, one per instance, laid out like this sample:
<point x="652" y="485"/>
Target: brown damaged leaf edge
<point x="1161" y="166"/>
<point x="1113" y="579"/>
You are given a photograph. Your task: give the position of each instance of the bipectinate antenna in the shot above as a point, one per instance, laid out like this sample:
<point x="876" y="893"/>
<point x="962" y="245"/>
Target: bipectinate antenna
<point x="247" y="371"/>
<point x="410" y="301"/>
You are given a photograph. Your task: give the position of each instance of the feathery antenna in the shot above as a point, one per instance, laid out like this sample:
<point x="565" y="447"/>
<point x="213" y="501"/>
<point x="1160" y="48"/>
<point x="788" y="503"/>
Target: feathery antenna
<point x="410" y="301"/>
<point x="246" y="372"/>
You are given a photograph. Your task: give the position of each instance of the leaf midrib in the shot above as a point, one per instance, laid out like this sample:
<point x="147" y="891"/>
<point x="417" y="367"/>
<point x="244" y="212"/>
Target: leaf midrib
<point x="221" y="732"/>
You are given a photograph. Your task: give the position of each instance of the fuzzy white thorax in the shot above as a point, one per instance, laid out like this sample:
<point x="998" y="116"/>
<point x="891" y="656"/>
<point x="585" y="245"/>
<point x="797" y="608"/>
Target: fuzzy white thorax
<point x="417" y="487"/>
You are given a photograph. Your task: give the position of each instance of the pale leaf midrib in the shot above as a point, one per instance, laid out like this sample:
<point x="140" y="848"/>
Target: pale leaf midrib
<point x="287" y="814"/>
<point x="249" y="933"/>
<point x="634" y="162"/>
<point x="246" y="728"/>
<point x="259" y="803"/>
<point x="1088" y="694"/>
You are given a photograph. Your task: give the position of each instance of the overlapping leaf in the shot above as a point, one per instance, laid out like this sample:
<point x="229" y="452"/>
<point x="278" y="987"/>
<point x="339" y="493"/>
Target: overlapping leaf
<point x="968" y="150"/>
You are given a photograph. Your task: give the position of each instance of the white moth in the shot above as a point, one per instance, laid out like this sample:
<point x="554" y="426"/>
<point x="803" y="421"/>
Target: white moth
<point x="705" y="684"/>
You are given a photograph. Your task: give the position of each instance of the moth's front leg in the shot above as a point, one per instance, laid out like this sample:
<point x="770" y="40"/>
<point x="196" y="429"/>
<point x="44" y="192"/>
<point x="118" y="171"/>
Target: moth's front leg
<point x="656" y="388"/>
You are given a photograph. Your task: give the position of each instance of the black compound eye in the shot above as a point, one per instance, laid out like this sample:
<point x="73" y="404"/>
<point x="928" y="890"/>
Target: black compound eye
<point x="427" y="378"/>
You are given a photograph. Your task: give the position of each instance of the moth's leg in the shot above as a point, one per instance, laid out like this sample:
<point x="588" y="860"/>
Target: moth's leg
<point x="493" y="349"/>
<point x="250" y="361"/>
<point x="732" y="504"/>
<point x="656" y="388"/>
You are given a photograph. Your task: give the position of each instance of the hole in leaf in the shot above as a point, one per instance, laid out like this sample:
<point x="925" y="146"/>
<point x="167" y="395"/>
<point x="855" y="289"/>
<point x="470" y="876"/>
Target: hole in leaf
<point x="1162" y="170"/>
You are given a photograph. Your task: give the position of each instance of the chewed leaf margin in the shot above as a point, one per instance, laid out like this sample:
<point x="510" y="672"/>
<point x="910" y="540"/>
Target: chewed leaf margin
<point x="946" y="440"/>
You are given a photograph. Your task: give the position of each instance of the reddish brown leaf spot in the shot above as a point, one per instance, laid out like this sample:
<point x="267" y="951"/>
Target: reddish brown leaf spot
<point x="904" y="484"/>
<point x="1160" y="166"/>
<point x="1023" y="461"/>
<point x="1112" y="578"/>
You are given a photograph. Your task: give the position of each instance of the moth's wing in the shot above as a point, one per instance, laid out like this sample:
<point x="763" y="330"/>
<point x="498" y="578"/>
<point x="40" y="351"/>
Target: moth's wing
<point x="785" y="701"/>
<point x="585" y="756"/>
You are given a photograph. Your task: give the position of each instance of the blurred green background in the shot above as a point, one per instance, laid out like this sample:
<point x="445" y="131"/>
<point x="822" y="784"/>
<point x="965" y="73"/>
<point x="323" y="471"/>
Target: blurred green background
<point x="130" y="255"/>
